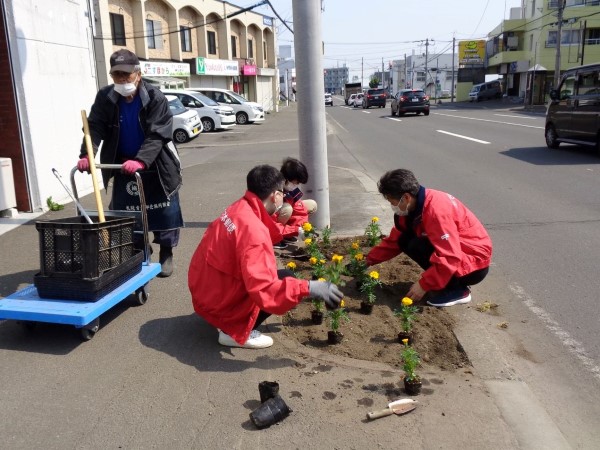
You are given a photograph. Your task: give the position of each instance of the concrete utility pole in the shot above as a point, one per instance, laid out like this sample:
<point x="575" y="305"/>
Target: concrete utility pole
<point x="452" y="88"/>
<point x="561" y="8"/>
<point x="311" y="109"/>
<point x="426" y="58"/>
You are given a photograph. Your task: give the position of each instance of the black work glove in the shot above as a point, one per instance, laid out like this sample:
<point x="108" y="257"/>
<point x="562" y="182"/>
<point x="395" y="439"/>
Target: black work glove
<point x="327" y="291"/>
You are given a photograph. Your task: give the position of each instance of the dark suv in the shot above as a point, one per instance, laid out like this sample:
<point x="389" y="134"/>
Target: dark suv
<point x="410" y="100"/>
<point x="374" y="97"/>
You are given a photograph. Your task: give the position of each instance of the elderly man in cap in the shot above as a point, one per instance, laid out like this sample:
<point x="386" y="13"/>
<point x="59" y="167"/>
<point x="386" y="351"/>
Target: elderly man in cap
<point x="133" y="120"/>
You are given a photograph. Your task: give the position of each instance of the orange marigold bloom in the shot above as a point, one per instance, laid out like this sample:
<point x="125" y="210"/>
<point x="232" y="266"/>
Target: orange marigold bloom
<point x="406" y="301"/>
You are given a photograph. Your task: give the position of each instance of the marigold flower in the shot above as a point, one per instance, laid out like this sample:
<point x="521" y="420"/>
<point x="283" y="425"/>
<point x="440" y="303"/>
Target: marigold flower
<point x="307" y="241"/>
<point x="337" y="258"/>
<point x="359" y="257"/>
<point x="375" y="219"/>
<point x="322" y="261"/>
<point x="355" y="246"/>
<point x="291" y="265"/>
<point x="405" y="341"/>
<point x="342" y="304"/>
<point x="307" y="227"/>
<point x="313" y="260"/>
<point x="321" y="279"/>
<point x="374" y="275"/>
<point x="406" y="301"/>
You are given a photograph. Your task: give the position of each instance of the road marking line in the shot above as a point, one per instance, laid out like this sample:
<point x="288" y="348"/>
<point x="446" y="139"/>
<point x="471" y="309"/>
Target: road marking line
<point x="493" y="121"/>
<point x="517" y="117"/>
<point x="573" y="346"/>
<point x="463" y="137"/>
<point x="336" y="122"/>
<point x="367" y="112"/>
<point x="392" y="118"/>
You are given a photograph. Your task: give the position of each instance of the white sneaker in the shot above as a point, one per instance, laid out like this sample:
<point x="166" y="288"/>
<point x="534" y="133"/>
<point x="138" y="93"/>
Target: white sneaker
<point x="256" y="340"/>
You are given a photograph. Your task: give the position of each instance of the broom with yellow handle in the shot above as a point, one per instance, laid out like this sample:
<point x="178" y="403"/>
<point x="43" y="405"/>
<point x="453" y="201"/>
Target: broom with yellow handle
<point x="92" y="162"/>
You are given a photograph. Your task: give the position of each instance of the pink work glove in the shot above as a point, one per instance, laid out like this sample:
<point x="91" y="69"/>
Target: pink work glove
<point x="83" y="165"/>
<point x="132" y="166"/>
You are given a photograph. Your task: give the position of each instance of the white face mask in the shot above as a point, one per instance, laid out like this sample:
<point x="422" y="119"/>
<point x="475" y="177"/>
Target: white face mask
<point x="398" y="211"/>
<point x="289" y="186"/>
<point x="126" y="90"/>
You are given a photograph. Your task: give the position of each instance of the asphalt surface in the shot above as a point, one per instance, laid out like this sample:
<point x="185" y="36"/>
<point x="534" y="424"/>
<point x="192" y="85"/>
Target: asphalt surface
<point x="155" y="377"/>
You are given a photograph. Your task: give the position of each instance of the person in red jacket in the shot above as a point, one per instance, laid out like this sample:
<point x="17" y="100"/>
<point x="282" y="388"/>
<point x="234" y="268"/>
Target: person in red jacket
<point x="233" y="276"/>
<point x="295" y="211"/>
<point x="440" y="234"/>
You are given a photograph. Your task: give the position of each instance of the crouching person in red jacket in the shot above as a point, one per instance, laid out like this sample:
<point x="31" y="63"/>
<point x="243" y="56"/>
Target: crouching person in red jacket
<point x="233" y="276"/>
<point x="440" y="234"/>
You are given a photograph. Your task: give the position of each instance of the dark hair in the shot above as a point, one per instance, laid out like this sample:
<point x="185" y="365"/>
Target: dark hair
<point x="397" y="182"/>
<point x="292" y="169"/>
<point x="263" y="180"/>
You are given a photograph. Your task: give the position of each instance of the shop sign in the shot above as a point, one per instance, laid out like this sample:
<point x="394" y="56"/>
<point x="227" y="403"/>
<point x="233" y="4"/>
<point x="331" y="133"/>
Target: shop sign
<point x="248" y="70"/>
<point x="160" y="69"/>
<point x="471" y="53"/>
<point x="265" y="72"/>
<point x="206" y="66"/>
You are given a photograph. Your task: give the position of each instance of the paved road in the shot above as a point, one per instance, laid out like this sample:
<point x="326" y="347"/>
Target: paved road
<point x="154" y="376"/>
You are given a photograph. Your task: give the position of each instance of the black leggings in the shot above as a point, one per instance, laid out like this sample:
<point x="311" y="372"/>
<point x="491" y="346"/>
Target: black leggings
<point x="419" y="249"/>
<point x="263" y="315"/>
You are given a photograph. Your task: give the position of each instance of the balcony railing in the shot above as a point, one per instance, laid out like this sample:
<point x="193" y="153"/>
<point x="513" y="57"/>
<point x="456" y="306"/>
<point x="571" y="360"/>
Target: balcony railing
<point x="553" y="4"/>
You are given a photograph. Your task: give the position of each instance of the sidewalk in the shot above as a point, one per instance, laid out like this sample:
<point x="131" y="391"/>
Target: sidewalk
<point x="187" y="392"/>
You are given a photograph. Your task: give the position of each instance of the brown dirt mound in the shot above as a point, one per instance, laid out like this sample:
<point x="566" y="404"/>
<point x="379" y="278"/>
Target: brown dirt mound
<point x="374" y="337"/>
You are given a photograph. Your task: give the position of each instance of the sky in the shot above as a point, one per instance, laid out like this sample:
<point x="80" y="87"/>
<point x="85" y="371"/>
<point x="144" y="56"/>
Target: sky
<point x="360" y="34"/>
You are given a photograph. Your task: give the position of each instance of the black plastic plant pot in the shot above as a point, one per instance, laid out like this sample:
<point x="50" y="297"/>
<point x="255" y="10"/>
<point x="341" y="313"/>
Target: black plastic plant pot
<point x="316" y="317"/>
<point x="366" y="308"/>
<point x="272" y="411"/>
<point x="267" y="390"/>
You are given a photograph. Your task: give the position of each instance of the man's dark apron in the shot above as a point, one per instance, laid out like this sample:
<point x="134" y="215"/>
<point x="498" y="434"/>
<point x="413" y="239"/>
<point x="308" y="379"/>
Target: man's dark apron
<point x="163" y="213"/>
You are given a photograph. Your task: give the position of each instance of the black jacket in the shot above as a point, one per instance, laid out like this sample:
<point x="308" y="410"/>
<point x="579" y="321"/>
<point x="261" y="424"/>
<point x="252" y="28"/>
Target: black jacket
<point x="157" y="151"/>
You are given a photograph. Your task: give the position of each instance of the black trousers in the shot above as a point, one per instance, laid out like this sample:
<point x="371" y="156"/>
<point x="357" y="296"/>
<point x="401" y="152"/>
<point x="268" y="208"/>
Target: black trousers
<point x="419" y="249"/>
<point x="263" y="315"/>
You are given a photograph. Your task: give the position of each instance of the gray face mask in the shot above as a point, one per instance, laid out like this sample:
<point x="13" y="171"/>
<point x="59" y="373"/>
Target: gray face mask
<point x="398" y="211"/>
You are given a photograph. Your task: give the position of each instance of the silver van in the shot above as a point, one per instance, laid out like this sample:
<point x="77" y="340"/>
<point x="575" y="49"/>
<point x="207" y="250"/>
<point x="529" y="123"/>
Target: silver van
<point x="573" y="114"/>
<point x="486" y="91"/>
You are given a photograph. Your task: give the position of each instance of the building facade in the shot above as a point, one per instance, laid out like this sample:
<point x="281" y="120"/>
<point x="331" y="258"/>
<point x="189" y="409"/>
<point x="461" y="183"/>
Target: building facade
<point x="54" y="56"/>
<point x="335" y="78"/>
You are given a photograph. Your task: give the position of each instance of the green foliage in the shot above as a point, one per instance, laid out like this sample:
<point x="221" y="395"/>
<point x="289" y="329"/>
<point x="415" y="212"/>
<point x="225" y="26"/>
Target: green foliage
<point x="410" y="361"/>
<point x="368" y="286"/>
<point x="318" y="304"/>
<point x="374" y="82"/>
<point x="326" y="236"/>
<point x="407" y="314"/>
<point x="53" y="205"/>
<point x="373" y="232"/>
<point x="337" y="316"/>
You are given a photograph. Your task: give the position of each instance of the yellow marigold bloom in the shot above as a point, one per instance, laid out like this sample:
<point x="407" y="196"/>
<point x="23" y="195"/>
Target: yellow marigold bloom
<point x="337" y="258"/>
<point x="322" y="261"/>
<point x="359" y="257"/>
<point x="374" y="275"/>
<point x="375" y="219"/>
<point x="312" y="260"/>
<point x="307" y="227"/>
<point x="321" y="279"/>
<point x="355" y="246"/>
<point x="291" y="265"/>
<point x="405" y="341"/>
<point x="342" y="304"/>
<point x="307" y="241"/>
<point x="406" y="301"/>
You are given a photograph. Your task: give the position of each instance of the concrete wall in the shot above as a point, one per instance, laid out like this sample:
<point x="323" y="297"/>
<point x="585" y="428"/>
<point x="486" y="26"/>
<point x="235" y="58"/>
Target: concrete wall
<point x="53" y="68"/>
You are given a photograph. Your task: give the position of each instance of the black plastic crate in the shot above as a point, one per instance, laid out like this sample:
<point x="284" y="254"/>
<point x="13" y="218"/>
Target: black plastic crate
<point x="88" y="289"/>
<point x="73" y="248"/>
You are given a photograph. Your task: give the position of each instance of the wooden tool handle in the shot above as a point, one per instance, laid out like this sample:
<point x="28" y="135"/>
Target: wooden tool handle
<point x="377" y="414"/>
<point x="92" y="161"/>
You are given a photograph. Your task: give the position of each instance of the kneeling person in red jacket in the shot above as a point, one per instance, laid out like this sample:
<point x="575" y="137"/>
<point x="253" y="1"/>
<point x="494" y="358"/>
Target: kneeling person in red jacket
<point x="233" y="276"/>
<point x="440" y="234"/>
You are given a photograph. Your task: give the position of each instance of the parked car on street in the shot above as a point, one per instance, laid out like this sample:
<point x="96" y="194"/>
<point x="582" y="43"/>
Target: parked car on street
<point x="358" y="100"/>
<point x="486" y="91"/>
<point x="328" y="99"/>
<point x="573" y="113"/>
<point x="213" y="116"/>
<point x="186" y="122"/>
<point x="410" y="100"/>
<point x="351" y="99"/>
<point x="374" y="97"/>
<point x="245" y="110"/>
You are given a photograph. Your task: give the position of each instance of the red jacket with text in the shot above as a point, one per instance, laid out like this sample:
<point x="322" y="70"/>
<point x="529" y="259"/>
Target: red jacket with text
<point x="233" y="273"/>
<point x="461" y="243"/>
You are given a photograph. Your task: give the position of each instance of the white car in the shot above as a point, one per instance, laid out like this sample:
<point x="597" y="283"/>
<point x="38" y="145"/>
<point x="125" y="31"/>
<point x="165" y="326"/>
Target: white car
<point x="358" y="100"/>
<point x="328" y="99"/>
<point x="213" y="116"/>
<point x="245" y="111"/>
<point x="186" y="122"/>
<point x="351" y="99"/>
